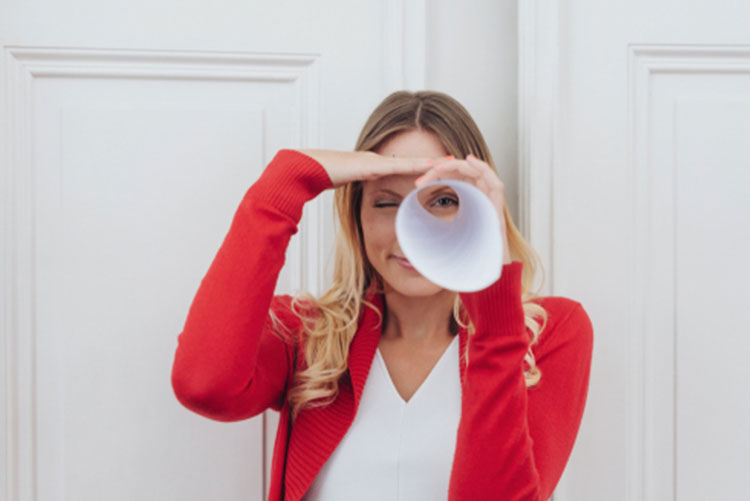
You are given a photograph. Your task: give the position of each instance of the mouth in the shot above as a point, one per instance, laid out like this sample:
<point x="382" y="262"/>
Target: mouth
<point x="403" y="262"/>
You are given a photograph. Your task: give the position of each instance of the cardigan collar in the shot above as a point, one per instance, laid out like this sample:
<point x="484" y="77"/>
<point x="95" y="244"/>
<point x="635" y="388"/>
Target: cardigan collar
<point x="366" y="341"/>
<point x="330" y="423"/>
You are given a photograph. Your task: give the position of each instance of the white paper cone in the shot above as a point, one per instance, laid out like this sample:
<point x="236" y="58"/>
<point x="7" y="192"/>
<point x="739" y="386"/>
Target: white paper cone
<point x="464" y="254"/>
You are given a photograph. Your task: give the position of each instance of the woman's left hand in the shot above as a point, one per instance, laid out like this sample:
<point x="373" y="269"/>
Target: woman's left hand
<point x="478" y="173"/>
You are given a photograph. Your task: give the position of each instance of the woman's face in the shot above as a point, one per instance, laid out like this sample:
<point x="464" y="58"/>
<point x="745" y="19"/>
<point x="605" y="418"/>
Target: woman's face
<point x="380" y="200"/>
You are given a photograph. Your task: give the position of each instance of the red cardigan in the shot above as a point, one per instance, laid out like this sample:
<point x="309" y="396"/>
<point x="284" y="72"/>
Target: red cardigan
<point x="512" y="443"/>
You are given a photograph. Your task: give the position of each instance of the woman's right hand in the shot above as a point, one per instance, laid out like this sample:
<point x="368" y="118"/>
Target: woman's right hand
<point x="348" y="166"/>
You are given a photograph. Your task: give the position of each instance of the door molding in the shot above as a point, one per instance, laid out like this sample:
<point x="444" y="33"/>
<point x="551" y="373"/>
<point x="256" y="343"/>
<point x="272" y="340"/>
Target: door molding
<point x="23" y="65"/>
<point x="538" y="81"/>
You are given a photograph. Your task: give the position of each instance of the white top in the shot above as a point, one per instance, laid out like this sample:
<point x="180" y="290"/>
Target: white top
<point x="397" y="450"/>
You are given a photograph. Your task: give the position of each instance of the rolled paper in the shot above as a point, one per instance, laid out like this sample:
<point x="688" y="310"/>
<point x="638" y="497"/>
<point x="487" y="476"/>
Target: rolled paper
<point x="464" y="254"/>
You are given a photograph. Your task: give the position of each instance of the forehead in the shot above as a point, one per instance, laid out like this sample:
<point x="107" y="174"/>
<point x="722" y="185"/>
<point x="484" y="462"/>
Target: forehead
<point x="413" y="143"/>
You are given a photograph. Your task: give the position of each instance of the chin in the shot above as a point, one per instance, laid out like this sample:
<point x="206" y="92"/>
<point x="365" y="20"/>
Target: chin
<point x="411" y="286"/>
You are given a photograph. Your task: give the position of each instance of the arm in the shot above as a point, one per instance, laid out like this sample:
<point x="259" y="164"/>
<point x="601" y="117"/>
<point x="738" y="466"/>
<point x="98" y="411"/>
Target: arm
<point x="229" y="365"/>
<point x="513" y="443"/>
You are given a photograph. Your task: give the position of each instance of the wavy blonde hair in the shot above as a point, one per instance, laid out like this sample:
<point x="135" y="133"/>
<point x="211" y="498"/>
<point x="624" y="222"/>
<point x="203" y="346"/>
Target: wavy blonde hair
<point x="329" y="332"/>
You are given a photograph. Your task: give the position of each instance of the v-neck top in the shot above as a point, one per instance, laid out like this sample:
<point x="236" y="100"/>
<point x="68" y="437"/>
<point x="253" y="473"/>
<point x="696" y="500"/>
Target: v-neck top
<point x="394" y="449"/>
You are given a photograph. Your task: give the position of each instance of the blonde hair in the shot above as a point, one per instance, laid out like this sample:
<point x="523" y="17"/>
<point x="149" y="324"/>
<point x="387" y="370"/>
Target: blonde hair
<point x="329" y="332"/>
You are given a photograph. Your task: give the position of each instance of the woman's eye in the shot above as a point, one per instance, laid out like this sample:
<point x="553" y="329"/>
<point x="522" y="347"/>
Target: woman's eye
<point x="383" y="204"/>
<point x="449" y="199"/>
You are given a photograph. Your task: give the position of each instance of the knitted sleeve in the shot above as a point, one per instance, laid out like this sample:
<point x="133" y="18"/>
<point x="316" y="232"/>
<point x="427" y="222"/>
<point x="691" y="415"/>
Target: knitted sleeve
<point x="228" y="364"/>
<point x="513" y="442"/>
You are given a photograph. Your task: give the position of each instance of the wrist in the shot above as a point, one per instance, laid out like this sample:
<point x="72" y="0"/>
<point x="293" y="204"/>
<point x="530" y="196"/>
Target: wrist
<point x="289" y="180"/>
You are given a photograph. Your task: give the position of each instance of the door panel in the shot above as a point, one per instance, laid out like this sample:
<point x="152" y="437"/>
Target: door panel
<point x="649" y="171"/>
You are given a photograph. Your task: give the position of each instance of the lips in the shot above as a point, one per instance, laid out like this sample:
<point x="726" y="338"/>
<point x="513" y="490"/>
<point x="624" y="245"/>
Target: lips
<point x="403" y="261"/>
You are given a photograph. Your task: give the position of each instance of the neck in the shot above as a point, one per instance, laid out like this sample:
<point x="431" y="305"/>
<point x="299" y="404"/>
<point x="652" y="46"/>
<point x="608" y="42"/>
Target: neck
<point x="418" y="320"/>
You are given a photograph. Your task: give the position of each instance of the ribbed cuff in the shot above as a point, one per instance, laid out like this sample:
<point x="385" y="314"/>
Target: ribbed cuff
<point x="499" y="306"/>
<point x="288" y="181"/>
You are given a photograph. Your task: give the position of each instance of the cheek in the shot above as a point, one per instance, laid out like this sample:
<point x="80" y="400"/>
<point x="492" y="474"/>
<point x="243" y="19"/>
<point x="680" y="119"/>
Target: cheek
<point x="378" y="229"/>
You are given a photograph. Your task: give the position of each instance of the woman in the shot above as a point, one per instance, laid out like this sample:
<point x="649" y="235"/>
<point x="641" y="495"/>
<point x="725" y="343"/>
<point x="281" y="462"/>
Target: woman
<point x="400" y="389"/>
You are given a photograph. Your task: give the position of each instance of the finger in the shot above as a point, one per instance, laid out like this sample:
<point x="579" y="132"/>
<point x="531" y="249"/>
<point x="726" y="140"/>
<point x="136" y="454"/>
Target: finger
<point x="390" y="166"/>
<point x="490" y="175"/>
<point x="453" y="169"/>
<point x="407" y="165"/>
<point x="482" y="185"/>
<point x="496" y="188"/>
<point x="477" y="176"/>
<point x="403" y="169"/>
<point x="437" y="174"/>
<point x="461" y="166"/>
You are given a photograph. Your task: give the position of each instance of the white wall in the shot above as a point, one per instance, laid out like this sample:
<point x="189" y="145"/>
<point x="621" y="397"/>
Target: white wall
<point x="128" y="133"/>
<point x="472" y="52"/>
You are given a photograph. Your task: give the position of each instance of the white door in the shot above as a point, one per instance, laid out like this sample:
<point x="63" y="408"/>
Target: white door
<point x="130" y="131"/>
<point x="135" y="129"/>
<point x="638" y="127"/>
